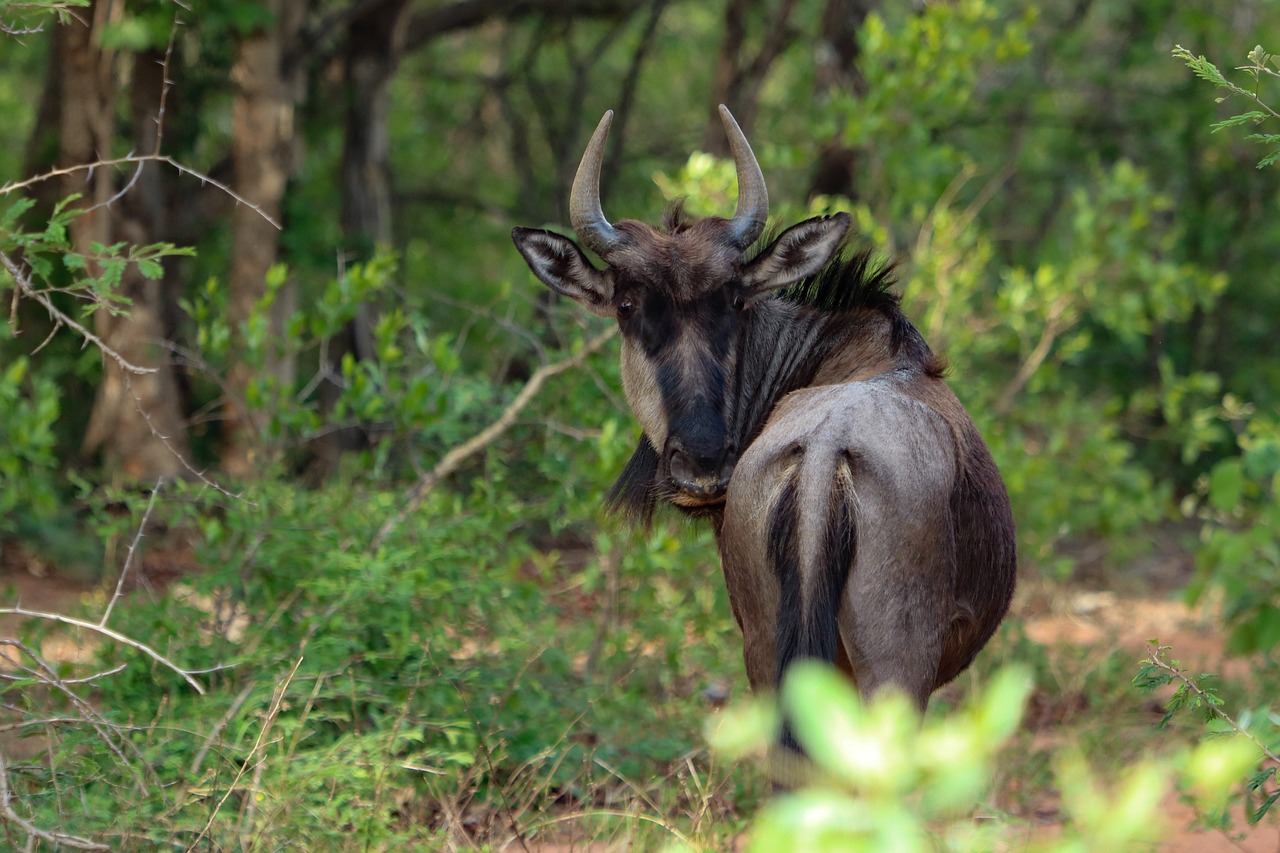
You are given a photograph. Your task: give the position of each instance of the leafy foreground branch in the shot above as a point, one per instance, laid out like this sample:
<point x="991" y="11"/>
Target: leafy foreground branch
<point x="885" y="781"/>
<point x="1259" y="69"/>
<point x="1261" y="729"/>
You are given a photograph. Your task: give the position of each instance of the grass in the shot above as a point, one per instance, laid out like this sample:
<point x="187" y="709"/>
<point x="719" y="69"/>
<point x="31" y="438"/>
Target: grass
<point x="482" y="695"/>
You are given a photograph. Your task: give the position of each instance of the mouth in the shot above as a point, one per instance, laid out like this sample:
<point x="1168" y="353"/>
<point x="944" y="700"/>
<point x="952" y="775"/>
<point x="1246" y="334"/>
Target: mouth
<point x="693" y="495"/>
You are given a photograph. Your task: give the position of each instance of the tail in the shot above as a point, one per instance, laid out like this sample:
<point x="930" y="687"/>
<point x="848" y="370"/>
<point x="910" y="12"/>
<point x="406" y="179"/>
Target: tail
<point x="812" y="544"/>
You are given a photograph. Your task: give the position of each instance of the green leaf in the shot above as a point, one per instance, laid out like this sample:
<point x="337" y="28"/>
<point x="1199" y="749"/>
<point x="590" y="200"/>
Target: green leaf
<point x="1269" y="159"/>
<point x="150" y="268"/>
<point x="1243" y="118"/>
<point x="1202" y="67"/>
<point x="1226" y="485"/>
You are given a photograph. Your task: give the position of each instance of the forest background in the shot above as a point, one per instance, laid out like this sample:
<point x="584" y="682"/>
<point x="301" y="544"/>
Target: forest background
<point x="276" y="383"/>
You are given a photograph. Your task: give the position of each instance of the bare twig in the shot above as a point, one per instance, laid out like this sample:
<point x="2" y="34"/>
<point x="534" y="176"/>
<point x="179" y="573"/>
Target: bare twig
<point x="87" y="679"/>
<point x="452" y="460"/>
<point x="252" y="758"/>
<point x="176" y="453"/>
<point x="187" y="675"/>
<point x="166" y="83"/>
<point x="128" y="560"/>
<point x="132" y="159"/>
<point x="219" y="727"/>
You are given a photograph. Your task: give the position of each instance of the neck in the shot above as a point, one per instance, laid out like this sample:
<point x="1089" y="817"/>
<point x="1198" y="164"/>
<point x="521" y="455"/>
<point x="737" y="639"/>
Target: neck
<point x="788" y="347"/>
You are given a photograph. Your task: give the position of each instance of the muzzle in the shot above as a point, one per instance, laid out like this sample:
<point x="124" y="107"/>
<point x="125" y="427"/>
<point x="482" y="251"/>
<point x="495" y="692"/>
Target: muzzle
<point x="700" y="477"/>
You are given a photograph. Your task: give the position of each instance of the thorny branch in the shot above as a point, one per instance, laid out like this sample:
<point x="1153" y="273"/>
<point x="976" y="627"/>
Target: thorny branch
<point x="61" y="318"/>
<point x="186" y="674"/>
<point x="131" y="159"/>
<point x="133" y="549"/>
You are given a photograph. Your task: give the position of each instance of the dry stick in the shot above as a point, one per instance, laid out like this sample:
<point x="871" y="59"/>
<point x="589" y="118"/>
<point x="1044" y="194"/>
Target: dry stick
<point x="142" y="158"/>
<point x="107" y="632"/>
<point x="56" y="838"/>
<point x="272" y="712"/>
<point x="128" y="560"/>
<point x="455" y="457"/>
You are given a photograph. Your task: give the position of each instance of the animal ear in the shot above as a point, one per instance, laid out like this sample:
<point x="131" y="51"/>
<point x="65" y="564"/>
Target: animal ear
<point x="560" y="265"/>
<point x="800" y="251"/>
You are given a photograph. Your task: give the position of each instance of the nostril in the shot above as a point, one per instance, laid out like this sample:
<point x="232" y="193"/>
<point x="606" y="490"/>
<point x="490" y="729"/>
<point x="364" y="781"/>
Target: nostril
<point x="682" y="467"/>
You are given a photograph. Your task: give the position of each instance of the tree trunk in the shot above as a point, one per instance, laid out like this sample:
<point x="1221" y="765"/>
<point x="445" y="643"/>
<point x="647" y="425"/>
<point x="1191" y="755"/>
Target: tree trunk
<point x="265" y="88"/>
<point x="136" y="422"/>
<point x="373" y="47"/>
<point x="740" y="72"/>
<point x="138" y="418"/>
<point x="835" y="172"/>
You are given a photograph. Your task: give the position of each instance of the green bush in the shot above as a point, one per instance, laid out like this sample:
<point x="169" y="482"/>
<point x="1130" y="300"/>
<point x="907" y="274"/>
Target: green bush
<point x="884" y="780"/>
<point x="28" y="464"/>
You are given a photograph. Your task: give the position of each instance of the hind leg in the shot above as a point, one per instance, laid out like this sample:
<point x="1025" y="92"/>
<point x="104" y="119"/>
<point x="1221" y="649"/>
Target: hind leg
<point x="753" y="595"/>
<point x="898" y="605"/>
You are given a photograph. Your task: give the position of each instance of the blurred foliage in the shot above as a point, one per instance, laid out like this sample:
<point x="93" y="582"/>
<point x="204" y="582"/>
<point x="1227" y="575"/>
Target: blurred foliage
<point x="883" y="780"/>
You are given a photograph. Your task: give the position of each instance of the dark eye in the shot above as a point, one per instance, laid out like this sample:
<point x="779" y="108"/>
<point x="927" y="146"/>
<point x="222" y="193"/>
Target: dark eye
<point x="739" y="302"/>
<point x="625" y="307"/>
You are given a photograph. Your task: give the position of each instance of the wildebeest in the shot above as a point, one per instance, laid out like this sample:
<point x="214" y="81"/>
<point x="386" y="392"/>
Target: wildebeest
<point x="784" y="396"/>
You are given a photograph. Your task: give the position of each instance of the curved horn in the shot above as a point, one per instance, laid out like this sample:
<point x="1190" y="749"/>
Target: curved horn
<point x="585" y="214"/>
<point x="753" y="197"/>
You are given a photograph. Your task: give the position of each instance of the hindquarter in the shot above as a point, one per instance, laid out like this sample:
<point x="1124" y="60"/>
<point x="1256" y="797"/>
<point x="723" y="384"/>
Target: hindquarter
<point x="890" y="459"/>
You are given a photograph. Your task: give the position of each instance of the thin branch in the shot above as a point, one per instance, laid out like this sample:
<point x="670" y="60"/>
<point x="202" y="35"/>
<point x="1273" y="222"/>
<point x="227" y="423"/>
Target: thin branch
<point x="272" y="713"/>
<point x="60" y="317"/>
<point x="133" y="549"/>
<point x="107" y="632"/>
<point x="40" y="723"/>
<point x="1155" y="657"/>
<point x="104" y="728"/>
<point x="166" y="83"/>
<point x="1053" y="327"/>
<point x="87" y="679"/>
<point x="219" y="727"/>
<point x="142" y="158"/>
<point x="455" y="457"/>
<point x="177" y="454"/>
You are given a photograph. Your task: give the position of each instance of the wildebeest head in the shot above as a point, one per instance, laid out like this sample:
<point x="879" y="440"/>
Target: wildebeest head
<point x="683" y="296"/>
